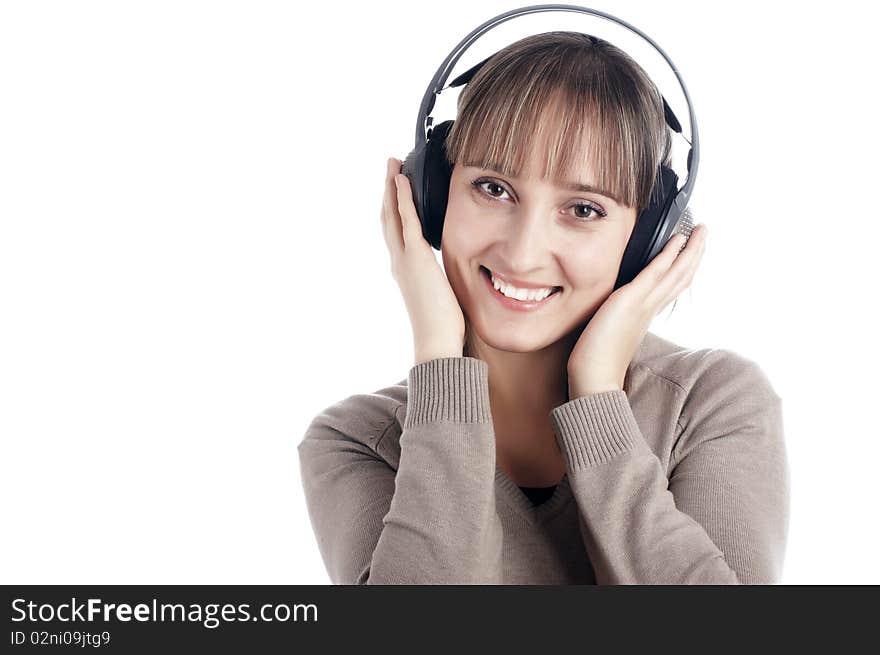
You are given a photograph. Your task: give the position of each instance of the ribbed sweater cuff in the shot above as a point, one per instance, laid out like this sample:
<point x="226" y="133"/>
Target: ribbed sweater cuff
<point x="594" y="429"/>
<point x="448" y="389"/>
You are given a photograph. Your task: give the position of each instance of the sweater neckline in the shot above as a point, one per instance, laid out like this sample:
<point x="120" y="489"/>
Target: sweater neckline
<point x="518" y="500"/>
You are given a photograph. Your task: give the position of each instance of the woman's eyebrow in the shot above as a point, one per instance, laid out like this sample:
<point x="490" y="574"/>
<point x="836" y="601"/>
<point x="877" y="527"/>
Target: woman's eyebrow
<point x="570" y="186"/>
<point x="589" y="188"/>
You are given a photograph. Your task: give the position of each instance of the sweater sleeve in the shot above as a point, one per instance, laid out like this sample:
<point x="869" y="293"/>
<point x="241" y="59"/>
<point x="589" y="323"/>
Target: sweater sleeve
<point x="722" y="515"/>
<point x="434" y="521"/>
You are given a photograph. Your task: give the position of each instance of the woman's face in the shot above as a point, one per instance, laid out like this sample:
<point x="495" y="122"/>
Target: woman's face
<point x="526" y="229"/>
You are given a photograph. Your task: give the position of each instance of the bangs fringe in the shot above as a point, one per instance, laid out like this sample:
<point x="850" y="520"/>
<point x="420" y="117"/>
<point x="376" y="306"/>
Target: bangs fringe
<point x="596" y="119"/>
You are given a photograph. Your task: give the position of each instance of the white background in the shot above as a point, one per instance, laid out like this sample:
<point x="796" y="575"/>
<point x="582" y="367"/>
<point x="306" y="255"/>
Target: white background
<point x="192" y="264"/>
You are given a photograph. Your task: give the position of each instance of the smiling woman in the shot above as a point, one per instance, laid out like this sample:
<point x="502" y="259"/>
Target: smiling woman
<point x="543" y="436"/>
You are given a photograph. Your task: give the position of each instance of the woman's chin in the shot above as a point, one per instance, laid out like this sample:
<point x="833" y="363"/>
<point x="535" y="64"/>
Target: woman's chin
<point x="514" y="339"/>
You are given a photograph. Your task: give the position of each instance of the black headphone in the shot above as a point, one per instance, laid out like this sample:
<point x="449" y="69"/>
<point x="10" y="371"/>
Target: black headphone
<point x="430" y="174"/>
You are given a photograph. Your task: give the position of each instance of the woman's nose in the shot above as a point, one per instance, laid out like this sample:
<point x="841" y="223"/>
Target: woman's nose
<point x="526" y="242"/>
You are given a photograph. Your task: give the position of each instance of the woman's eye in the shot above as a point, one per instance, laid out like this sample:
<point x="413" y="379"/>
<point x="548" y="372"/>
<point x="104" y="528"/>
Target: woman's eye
<point x="596" y="212"/>
<point x="492" y="185"/>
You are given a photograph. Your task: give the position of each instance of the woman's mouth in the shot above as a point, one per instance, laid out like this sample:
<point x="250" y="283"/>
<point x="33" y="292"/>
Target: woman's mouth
<point x="528" y="304"/>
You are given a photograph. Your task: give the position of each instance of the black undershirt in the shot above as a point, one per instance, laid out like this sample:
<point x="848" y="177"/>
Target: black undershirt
<point x="538" y="494"/>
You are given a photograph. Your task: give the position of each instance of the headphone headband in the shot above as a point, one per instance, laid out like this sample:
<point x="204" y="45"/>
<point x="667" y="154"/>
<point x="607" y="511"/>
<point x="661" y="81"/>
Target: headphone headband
<point x="435" y="87"/>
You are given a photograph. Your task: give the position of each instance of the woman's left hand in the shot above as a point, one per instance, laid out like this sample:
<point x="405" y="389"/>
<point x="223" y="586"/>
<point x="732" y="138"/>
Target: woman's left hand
<point x="605" y="348"/>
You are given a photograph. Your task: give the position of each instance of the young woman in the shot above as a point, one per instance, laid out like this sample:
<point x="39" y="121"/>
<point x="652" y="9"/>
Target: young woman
<point x="543" y="435"/>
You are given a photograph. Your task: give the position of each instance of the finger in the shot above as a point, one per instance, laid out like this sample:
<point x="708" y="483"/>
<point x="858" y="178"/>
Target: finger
<point x="390" y="218"/>
<point x="679" y="250"/>
<point x="657" y="268"/>
<point x="682" y="270"/>
<point x="412" y="228"/>
<point x="685" y="262"/>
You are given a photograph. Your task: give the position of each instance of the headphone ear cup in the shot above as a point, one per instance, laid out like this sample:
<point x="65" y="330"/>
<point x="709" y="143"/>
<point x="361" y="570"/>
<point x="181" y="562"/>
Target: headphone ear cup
<point x="429" y="174"/>
<point x="438" y="175"/>
<point x="650" y="224"/>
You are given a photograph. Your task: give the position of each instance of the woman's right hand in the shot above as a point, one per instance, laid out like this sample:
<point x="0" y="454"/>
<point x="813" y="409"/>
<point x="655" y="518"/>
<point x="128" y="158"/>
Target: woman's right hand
<point x="434" y="312"/>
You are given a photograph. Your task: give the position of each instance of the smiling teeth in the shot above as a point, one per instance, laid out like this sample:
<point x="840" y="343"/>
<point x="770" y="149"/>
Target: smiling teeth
<point x="533" y="295"/>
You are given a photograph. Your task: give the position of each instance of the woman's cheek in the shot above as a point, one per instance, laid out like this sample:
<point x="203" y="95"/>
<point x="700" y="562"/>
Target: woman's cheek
<point x="589" y="271"/>
<point x="463" y="221"/>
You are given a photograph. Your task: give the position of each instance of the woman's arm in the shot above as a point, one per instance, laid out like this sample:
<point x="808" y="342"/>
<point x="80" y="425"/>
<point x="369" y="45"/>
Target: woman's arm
<point x="435" y="521"/>
<point x="720" y="518"/>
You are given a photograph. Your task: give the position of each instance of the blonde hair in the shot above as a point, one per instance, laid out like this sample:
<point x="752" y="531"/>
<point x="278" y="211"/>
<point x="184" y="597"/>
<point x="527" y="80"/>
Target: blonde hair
<point x="584" y="95"/>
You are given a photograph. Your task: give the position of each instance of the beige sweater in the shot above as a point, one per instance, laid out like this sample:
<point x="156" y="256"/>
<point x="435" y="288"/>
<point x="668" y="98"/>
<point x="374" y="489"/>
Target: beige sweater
<point x="682" y="478"/>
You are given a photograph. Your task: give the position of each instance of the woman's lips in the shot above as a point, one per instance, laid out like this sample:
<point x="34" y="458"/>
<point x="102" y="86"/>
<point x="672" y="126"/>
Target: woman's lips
<point x="513" y="303"/>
